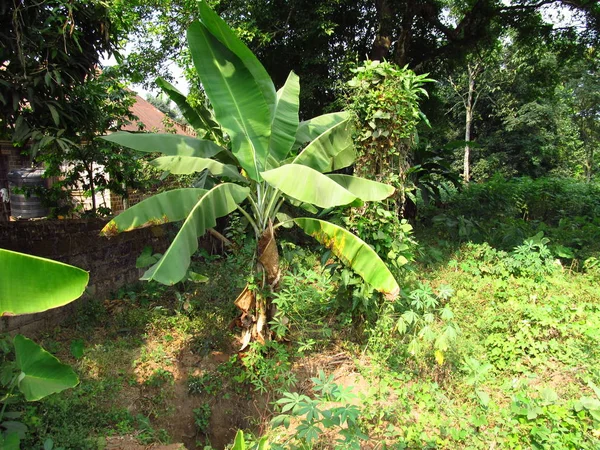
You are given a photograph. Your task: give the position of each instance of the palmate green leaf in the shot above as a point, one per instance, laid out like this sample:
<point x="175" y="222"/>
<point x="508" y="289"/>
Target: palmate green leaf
<point x="41" y="373"/>
<point x="186" y="165"/>
<point x="285" y="119"/>
<point x="30" y="284"/>
<point x="331" y="150"/>
<point x="218" y="202"/>
<point x="167" y="144"/>
<point x="366" y="190"/>
<point x="315" y="188"/>
<point x="198" y="117"/>
<point x="353" y="252"/>
<point x="170" y="206"/>
<point x="218" y="28"/>
<point x="237" y="99"/>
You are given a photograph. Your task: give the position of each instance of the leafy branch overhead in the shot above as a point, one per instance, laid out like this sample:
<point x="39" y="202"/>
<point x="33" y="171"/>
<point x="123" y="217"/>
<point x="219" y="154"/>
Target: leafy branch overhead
<point x="270" y="157"/>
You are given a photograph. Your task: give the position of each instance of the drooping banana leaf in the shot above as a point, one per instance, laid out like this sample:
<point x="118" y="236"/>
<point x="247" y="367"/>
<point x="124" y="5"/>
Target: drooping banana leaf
<point x="167" y="144"/>
<point x="218" y="202"/>
<point x="218" y="28"/>
<point x="307" y="185"/>
<point x="170" y="206"/>
<point x="186" y="165"/>
<point x="239" y="104"/>
<point x="353" y="252"/>
<point x="30" y="284"/>
<point x="331" y="150"/>
<point x="285" y="119"/>
<point x="308" y="130"/>
<point x="366" y="190"/>
<point x="198" y="117"/>
<point x="41" y="373"/>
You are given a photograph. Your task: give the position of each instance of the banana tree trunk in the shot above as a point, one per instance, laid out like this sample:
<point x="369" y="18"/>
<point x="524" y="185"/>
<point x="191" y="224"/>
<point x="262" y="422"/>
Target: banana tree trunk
<point x="255" y="305"/>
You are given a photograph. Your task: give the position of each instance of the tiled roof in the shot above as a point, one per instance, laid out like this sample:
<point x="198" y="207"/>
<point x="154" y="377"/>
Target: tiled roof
<point x="152" y="118"/>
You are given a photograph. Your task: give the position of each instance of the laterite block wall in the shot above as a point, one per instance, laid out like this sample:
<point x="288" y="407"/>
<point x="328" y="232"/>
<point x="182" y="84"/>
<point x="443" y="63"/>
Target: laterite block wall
<point x="111" y="262"/>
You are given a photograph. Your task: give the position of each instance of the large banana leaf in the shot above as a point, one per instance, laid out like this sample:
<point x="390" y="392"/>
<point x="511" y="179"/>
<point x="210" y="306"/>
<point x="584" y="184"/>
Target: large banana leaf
<point x="218" y="28"/>
<point x="167" y="144"/>
<point x="366" y="190"/>
<point x="198" y="117"/>
<point x="170" y="206"/>
<point x="218" y="202"/>
<point x="306" y="184"/>
<point x="41" y="373"/>
<point x="311" y="129"/>
<point x="353" y="252"/>
<point x="238" y="101"/>
<point x="331" y="150"/>
<point x="285" y="119"/>
<point x="186" y="165"/>
<point x="29" y="284"/>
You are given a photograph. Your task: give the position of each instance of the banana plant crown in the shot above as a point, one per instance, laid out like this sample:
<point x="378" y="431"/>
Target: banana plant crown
<point x="254" y="141"/>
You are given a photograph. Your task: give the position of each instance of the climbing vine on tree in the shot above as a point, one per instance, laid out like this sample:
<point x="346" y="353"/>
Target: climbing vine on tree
<point x="385" y="101"/>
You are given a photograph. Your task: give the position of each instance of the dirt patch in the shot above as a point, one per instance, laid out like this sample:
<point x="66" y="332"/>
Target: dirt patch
<point x="130" y="443"/>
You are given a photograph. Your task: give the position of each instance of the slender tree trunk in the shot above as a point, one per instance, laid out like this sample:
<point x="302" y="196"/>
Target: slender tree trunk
<point x="469" y="107"/>
<point x="91" y="175"/>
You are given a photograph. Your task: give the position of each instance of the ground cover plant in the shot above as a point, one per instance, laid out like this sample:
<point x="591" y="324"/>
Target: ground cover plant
<point x="484" y="347"/>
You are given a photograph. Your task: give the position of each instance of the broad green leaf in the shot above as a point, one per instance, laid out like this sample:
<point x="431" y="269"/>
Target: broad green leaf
<point x="167" y="144"/>
<point x="366" y="190"/>
<point x="331" y="150"/>
<point x="30" y="284"/>
<point x="285" y="119"/>
<point x="199" y="118"/>
<point x="10" y="441"/>
<point x="186" y="165"/>
<point x="218" y="202"/>
<point x="170" y="206"/>
<point x="41" y="373"/>
<point x="309" y="130"/>
<point x="353" y="252"/>
<point x="308" y="185"/>
<point x="238" y="102"/>
<point x="239" y="443"/>
<point x="218" y="28"/>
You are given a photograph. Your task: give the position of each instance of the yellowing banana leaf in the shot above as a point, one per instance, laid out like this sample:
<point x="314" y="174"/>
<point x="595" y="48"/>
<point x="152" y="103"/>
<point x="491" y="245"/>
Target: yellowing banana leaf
<point x="41" y="373"/>
<point x="353" y="252"/>
<point x="238" y="101"/>
<point x="185" y="165"/>
<point x="311" y="129"/>
<point x="218" y="202"/>
<point x="170" y="206"/>
<point x="366" y="190"/>
<point x="30" y="284"/>
<point x="307" y="185"/>
<point x="218" y="28"/>
<point x="167" y="144"/>
<point x="331" y="150"/>
<point x="285" y="120"/>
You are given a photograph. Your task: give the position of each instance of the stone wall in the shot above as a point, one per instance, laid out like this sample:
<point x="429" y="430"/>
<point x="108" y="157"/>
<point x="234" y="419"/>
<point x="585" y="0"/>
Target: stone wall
<point x="111" y="262"/>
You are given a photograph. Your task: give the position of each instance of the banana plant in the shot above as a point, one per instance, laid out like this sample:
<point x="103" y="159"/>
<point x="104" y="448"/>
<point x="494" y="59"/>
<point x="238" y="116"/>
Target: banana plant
<point x="29" y="284"/>
<point x="269" y="157"/>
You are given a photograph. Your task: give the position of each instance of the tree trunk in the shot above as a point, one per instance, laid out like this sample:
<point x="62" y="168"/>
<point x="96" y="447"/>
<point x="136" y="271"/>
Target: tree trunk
<point x="469" y="107"/>
<point x="383" y="40"/>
